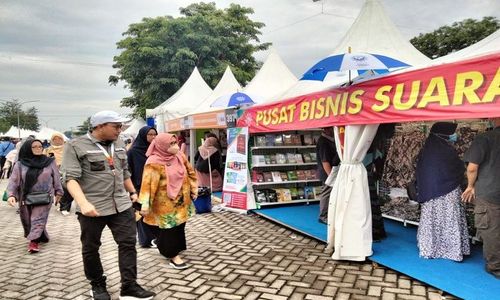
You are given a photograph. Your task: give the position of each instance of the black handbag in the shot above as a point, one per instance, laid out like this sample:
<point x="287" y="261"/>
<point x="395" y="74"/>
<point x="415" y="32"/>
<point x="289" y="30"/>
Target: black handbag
<point x="38" y="198"/>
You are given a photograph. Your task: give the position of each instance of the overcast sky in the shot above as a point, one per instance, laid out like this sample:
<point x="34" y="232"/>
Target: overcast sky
<point x="60" y="52"/>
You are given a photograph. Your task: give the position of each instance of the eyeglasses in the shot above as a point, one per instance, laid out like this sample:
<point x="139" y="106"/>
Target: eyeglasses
<point x="152" y="134"/>
<point x="36" y="147"/>
<point x="115" y="125"/>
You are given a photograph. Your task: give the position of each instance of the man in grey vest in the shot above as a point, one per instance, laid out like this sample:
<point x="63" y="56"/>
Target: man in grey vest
<point x="96" y="172"/>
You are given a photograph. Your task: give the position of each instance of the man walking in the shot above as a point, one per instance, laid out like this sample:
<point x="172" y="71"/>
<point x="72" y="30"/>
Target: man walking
<point x="327" y="158"/>
<point x="96" y="173"/>
<point x="483" y="177"/>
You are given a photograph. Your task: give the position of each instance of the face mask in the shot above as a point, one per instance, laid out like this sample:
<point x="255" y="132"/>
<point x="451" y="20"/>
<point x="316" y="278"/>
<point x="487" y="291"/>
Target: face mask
<point x="173" y="149"/>
<point x="453" y="138"/>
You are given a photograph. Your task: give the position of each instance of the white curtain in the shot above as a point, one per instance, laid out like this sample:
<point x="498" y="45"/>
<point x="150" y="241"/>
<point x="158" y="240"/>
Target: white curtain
<point x="349" y="212"/>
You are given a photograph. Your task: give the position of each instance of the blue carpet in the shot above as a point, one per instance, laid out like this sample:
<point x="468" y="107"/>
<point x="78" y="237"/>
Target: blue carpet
<point x="399" y="252"/>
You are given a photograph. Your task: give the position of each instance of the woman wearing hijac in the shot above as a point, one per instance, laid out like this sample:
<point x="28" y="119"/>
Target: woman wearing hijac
<point x="136" y="156"/>
<point x="442" y="231"/>
<point x="167" y="193"/>
<point x="34" y="173"/>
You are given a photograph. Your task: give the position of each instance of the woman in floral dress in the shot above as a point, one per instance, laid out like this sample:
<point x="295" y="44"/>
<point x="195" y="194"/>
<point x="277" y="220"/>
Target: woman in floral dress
<point x="442" y="231"/>
<point x="167" y="193"/>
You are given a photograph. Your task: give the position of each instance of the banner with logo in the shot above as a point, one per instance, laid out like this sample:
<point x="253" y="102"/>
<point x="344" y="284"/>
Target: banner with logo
<point x="234" y="190"/>
<point x="461" y="90"/>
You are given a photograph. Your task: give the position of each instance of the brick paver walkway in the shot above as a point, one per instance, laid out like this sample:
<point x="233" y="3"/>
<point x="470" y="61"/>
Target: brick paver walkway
<point x="232" y="257"/>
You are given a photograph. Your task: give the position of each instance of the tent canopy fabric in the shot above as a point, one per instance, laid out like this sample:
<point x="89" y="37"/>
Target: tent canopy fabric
<point x="371" y="32"/>
<point x="227" y="85"/>
<point x="134" y="127"/>
<point x="272" y="80"/>
<point x="45" y="133"/>
<point x="374" y="32"/>
<point x="188" y="97"/>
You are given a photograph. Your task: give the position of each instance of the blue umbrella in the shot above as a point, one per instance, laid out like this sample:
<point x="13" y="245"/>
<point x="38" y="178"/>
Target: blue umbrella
<point x="235" y="99"/>
<point x="361" y="62"/>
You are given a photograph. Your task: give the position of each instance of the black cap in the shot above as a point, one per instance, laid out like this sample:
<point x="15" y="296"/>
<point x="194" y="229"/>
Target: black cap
<point x="445" y="128"/>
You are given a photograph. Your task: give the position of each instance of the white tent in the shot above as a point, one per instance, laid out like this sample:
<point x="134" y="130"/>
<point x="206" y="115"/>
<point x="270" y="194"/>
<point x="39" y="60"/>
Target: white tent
<point x="227" y="85"/>
<point x="14" y="132"/>
<point x="371" y="32"/>
<point x="488" y="44"/>
<point x="187" y="98"/>
<point x="349" y="212"/>
<point x="46" y="133"/>
<point x="272" y="80"/>
<point x="134" y="128"/>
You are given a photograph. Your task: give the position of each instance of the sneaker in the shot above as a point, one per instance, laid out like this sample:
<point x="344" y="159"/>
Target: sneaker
<point x="180" y="266"/>
<point x="33" y="247"/>
<point x="153" y="244"/>
<point x="99" y="291"/>
<point x="134" y="292"/>
<point x="65" y="213"/>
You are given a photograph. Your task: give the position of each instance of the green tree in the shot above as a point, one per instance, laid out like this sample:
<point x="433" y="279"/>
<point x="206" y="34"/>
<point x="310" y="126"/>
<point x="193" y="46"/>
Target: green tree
<point x="28" y="119"/>
<point x="159" y="54"/>
<point x="447" y="39"/>
<point x="82" y="129"/>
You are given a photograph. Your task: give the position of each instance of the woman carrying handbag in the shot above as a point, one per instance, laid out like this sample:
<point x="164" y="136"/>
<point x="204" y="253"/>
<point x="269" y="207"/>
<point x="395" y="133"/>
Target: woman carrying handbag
<point x="34" y="183"/>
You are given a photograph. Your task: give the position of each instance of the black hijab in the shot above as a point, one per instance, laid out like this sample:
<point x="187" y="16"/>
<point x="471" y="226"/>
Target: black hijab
<point x="35" y="164"/>
<point x="137" y="155"/>
<point x="439" y="169"/>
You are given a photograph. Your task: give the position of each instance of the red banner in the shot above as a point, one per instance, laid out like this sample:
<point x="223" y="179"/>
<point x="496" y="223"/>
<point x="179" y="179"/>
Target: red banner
<point x="461" y="90"/>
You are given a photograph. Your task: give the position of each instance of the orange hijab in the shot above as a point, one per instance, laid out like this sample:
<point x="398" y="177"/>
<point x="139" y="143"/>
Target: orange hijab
<point x="174" y="167"/>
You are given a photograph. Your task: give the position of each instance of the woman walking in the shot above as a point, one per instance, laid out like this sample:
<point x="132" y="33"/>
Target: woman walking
<point x="56" y="150"/>
<point x="34" y="176"/>
<point x="442" y="232"/>
<point x="167" y="193"/>
<point x="136" y="160"/>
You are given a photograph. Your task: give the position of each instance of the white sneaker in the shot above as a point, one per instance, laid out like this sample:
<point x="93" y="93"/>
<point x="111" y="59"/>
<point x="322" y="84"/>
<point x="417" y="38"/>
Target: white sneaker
<point x="153" y="244"/>
<point x="65" y="213"/>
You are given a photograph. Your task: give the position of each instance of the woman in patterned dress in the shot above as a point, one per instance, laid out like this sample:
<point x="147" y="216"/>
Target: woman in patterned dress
<point x="34" y="172"/>
<point x="442" y="231"/>
<point x="167" y="193"/>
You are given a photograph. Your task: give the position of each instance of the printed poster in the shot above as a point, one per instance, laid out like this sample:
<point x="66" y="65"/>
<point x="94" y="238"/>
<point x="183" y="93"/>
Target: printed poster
<point x="234" y="191"/>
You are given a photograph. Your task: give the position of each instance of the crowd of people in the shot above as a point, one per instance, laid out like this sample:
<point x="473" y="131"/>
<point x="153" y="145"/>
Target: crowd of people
<point x="441" y="174"/>
<point x="148" y="191"/>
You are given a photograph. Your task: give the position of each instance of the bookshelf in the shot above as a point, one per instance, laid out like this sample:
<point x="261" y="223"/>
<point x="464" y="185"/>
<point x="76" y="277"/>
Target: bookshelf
<point x="283" y="167"/>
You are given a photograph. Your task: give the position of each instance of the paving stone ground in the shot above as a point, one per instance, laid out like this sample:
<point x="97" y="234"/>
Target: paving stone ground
<point x="232" y="256"/>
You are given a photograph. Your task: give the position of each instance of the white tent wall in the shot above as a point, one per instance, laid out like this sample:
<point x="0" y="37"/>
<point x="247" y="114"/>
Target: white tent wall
<point x="349" y="211"/>
<point x="272" y="80"/>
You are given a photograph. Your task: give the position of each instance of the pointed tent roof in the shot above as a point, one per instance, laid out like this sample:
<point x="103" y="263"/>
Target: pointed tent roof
<point x="371" y="32"/>
<point x="14" y="132"/>
<point x="188" y="97"/>
<point x="227" y="85"/>
<point x="134" y="127"/>
<point x="272" y="80"/>
<point x="374" y="32"/>
<point x="488" y="44"/>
